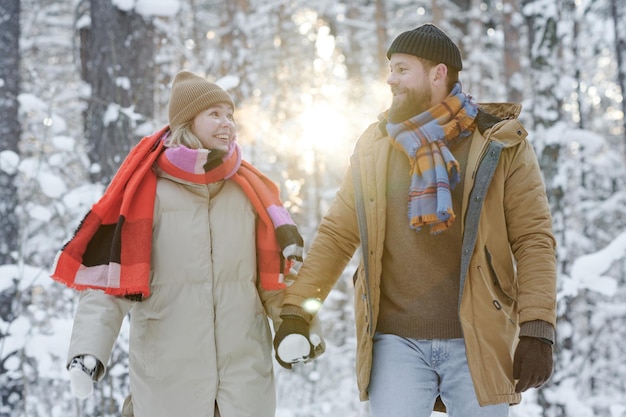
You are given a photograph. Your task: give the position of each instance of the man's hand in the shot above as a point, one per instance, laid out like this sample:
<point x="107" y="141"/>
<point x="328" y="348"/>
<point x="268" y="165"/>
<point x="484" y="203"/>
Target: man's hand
<point x="293" y="343"/>
<point x="532" y="364"/>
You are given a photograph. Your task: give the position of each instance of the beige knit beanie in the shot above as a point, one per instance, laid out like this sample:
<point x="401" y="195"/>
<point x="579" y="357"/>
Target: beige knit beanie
<point x="192" y="94"/>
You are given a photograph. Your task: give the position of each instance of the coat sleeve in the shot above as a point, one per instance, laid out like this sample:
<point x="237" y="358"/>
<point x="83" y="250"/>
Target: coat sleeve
<point x="97" y="325"/>
<point x="272" y="301"/>
<point x="333" y="246"/>
<point x="529" y="226"/>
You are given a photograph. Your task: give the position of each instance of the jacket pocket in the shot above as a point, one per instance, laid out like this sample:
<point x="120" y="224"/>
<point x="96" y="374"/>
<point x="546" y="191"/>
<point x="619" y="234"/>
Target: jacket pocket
<point x="503" y="278"/>
<point x="502" y="298"/>
<point x="361" y="303"/>
<point x="498" y="302"/>
<point x="363" y="330"/>
<point x="149" y="349"/>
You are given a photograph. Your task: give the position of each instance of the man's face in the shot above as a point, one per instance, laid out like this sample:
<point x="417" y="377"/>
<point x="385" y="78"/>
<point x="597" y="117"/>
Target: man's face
<point x="411" y="87"/>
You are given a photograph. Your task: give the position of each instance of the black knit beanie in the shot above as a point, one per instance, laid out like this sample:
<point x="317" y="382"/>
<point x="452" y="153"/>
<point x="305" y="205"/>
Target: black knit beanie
<point x="428" y="42"/>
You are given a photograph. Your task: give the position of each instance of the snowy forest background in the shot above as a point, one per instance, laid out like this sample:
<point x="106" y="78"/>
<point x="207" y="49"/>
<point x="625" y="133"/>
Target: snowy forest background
<point x="82" y="80"/>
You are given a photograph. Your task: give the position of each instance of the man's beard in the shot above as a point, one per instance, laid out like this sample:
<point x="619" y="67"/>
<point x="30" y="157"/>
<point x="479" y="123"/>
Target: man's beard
<point x="410" y="104"/>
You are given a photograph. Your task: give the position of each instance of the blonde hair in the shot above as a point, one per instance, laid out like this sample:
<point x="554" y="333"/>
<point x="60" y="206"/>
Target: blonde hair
<point x="182" y="135"/>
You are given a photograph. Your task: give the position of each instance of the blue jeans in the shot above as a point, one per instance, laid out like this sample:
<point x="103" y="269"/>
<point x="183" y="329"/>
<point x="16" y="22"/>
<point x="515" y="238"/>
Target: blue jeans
<point x="408" y="375"/>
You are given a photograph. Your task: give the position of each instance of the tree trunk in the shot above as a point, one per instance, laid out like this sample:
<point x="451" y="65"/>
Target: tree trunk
<point x="354" y="54"/>
<point x="437" y="12"/>
<point x="11" y="378"/>
<point x="545" y="102"/>
<point x="9" y="126"/>
<point x="545" y="70"/>
<point x="620" y="50"/>
<point x="117" y="53"/>
<point x="512" y="68"/>
<point x="381" y="36"/>
<point x="577" y="75"/>
<point x="235" y="46"/>
<point x="472" y="28"/>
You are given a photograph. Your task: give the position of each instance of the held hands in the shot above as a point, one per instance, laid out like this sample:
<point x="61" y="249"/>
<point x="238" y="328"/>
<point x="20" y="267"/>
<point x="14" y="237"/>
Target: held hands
<point x="532" y="364"/>
<point x="82" y="371"/>
<point x="293" y="343"/>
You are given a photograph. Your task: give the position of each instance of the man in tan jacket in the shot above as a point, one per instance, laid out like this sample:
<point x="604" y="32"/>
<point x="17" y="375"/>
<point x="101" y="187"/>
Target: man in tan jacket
<point x="455" y="295"/>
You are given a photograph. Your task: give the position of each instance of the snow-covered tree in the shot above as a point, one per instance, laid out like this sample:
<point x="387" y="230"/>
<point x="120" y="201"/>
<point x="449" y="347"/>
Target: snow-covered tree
<point x="117" y="60"/>
<point x="11" y="355"/>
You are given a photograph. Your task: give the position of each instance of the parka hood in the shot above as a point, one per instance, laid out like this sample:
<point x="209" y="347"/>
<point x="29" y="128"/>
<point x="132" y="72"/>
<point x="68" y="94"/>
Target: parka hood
<point x="498" y="121"/>
<point x="502" y="110"/>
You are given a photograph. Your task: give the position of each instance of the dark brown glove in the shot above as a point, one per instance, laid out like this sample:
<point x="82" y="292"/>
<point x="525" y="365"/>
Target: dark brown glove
<point x="532" y="364"/>
<point x="291" y="325"/>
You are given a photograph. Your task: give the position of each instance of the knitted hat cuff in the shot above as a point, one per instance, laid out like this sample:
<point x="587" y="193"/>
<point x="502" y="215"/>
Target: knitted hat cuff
<point x="201" y="103"/>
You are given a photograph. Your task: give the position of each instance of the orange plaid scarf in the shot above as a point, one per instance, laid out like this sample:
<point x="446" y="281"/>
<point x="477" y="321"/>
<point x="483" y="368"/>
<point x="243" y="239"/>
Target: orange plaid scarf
<point x="111" y="248"/>
<point x="426" y="139"/>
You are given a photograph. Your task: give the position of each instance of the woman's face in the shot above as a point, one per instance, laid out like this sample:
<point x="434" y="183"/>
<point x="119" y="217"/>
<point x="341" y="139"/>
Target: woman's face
<point x="215" y="127"/>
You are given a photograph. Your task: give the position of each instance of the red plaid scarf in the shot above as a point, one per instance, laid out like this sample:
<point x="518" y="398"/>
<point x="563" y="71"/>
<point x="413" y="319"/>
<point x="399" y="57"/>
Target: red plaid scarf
<point x="111" y="248"/>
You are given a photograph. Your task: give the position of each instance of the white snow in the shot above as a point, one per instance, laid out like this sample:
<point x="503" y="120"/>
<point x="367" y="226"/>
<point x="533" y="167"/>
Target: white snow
<point x="588" y="271"/>
<point x="294" y="348"/>
<point x="149" y="7"/>
<point x="9" y="162"/>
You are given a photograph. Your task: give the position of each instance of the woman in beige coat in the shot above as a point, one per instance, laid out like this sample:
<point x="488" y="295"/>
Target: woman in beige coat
<point x="192" y="242"/>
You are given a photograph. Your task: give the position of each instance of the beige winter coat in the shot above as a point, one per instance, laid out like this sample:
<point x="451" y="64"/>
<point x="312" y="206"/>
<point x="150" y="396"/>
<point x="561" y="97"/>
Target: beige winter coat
<point x="508" y="263"/>
<point x="203" y="335"/>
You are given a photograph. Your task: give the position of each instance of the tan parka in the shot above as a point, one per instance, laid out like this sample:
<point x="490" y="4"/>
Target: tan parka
<point x="203" y="335"/>
<point x="508" y="262"/>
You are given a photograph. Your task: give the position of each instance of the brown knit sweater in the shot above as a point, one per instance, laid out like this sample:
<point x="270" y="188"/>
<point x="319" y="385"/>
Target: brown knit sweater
<point x="420" y="277"/>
